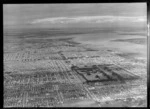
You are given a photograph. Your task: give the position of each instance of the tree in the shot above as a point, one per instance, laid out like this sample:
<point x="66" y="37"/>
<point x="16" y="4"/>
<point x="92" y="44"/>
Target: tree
<point x="97" y="77"/>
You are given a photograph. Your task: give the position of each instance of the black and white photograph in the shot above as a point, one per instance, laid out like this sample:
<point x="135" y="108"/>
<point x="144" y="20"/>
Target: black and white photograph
<point x="75" y="55"/>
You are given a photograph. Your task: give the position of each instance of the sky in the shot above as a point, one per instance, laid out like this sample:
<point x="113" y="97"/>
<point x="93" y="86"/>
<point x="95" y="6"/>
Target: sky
<point x="74" y="15"/>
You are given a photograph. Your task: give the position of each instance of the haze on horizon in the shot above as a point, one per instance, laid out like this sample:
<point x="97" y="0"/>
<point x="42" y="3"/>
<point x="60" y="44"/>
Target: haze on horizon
<point x="102" y="15"/>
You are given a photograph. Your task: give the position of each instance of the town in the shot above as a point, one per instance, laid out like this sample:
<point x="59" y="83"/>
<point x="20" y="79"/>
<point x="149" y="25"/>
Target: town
<point x="55" y="72"/>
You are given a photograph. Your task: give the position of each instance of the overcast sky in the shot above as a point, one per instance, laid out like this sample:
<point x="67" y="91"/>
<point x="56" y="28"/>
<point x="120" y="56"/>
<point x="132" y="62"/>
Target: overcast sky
<point x="72" y="14"/>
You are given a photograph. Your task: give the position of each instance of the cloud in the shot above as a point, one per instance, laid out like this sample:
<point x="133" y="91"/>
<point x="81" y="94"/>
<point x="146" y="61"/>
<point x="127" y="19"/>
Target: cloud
<point x="88" y="19"/>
